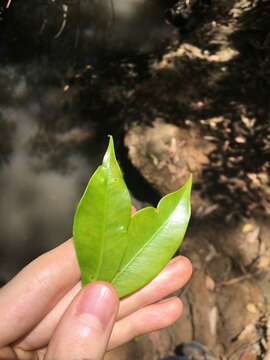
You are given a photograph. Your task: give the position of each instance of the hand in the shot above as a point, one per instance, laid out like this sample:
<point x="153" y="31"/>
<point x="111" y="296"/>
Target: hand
<point x="44" y="313"/>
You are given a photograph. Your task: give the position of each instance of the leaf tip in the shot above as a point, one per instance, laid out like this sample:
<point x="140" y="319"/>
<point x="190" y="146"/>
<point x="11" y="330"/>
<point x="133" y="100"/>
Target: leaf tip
<point x="186" y="187"/>
<point x="111" y="142"/>
<point x="110" y="153"/>
<point x="185" y="192"/>
<point x="188" y="183"/>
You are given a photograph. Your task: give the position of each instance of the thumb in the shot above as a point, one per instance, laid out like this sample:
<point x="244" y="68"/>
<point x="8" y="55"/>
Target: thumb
<point x="85" y="328"/>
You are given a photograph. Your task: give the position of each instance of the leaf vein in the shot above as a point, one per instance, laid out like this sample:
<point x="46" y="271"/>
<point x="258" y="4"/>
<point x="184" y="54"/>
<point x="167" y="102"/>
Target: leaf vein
<point x="142" y="248"/>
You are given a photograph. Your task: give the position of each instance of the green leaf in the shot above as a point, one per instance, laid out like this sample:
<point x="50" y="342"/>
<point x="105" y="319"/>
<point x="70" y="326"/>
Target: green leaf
<point x="101" y="221"/>
<point x="112" y="245"/>
<point x="153" y="238"/>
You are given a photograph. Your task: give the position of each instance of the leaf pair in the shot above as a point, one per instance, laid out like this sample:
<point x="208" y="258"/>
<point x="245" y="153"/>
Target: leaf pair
<point x="113" y="245"/>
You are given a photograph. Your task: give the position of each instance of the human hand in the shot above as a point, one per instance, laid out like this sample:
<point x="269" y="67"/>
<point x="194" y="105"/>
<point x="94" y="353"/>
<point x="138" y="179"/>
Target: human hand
<point x="46" y="315"/>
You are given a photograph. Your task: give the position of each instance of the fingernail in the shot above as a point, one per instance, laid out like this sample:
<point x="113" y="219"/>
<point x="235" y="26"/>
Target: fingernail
<point x="172" y="263"/>
<point x="100" y="301"/>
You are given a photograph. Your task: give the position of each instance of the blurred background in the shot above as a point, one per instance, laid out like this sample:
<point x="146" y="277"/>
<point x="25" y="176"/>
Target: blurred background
<point x="183" y="86"/>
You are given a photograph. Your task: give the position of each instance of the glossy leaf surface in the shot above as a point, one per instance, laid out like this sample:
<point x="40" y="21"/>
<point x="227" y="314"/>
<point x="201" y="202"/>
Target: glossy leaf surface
<point x="101" y="221"/>
<point x="114" y="246"/>
<point x="153" y="238"/>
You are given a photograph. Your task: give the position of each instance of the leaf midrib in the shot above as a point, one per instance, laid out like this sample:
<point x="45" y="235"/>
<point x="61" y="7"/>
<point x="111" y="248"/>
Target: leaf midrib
<point x="103" y="227"/>
<point x="143" y="247"/>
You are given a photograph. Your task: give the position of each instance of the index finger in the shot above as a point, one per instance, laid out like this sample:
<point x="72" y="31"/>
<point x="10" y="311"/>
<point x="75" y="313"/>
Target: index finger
<point x="32" y="293"/>
<point x="28" y="297"/>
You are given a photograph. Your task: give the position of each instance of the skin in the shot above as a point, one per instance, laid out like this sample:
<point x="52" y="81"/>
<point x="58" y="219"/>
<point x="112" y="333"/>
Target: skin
<point x="45" y="314"/>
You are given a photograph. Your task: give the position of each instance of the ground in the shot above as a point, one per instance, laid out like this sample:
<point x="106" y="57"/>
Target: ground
<point x="194" y="99"/>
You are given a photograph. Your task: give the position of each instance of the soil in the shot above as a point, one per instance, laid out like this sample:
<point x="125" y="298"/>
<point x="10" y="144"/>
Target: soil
<point x="196" y="103"/>
<point x="205" y="110"/>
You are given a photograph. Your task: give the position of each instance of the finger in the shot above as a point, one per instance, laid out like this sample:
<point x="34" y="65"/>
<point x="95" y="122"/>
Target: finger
<point x="85" y="329"/>
<point x="40" y="336"/>
<point x="36" y="289"/>
<point x="148" y="319"/>
<point x="173" y="277"/>
<point x="151" y="318"/>
<point x="27" y="298"/>
<point x="7" y="354"/>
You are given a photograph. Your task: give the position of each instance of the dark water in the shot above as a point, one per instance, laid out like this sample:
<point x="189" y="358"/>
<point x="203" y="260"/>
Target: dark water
<point x="49" y="143"/>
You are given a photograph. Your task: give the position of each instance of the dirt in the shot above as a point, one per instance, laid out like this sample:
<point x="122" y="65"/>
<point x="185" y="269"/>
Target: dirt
<point x="166" y="151"/>
<point x="226" y="302"/>
<point x="204" y="110"/>
<point x="199" y="104"/>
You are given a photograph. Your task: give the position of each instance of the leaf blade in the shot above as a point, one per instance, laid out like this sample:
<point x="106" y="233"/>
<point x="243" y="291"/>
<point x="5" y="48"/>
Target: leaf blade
<point x="154" y="236"/>
<point x="101" y="221"/>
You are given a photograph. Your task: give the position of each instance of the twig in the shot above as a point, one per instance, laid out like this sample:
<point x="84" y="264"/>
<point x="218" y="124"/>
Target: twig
<point x="235" y="280"/>
<point x="64" y="22"/>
